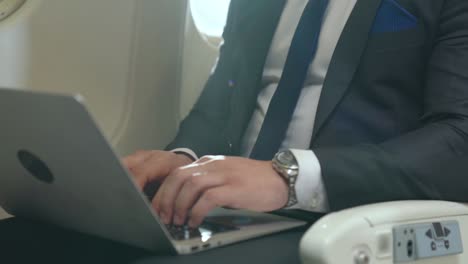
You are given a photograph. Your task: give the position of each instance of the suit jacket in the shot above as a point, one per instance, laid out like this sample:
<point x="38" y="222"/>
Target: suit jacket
<point x="393" y="113"/>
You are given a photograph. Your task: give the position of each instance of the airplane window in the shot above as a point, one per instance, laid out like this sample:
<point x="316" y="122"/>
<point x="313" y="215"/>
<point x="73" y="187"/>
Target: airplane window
<point x="210" y="16"/>
<point x="8" y="7"/>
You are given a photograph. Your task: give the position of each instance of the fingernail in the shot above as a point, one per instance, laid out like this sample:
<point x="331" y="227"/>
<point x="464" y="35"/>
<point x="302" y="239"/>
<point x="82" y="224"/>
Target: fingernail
<point x="178" y="220"/>
<point x="164" y="218"/>
<point x="192" y="224"/>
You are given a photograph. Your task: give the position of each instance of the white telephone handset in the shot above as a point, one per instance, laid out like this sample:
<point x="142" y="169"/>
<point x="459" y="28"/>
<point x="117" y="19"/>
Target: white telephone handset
<point x="426" y="232"/>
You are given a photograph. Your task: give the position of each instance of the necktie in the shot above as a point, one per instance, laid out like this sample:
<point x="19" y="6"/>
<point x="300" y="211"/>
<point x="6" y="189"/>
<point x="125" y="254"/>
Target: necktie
<point x="301" y="54"/>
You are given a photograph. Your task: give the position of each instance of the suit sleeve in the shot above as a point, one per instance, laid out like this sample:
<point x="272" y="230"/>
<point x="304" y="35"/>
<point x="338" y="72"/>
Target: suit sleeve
<point x="201" y="131"/>
<point x="430" y="162"/>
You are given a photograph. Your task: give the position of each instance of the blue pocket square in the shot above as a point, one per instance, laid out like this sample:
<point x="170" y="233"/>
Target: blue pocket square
<point x="392" y="17"/>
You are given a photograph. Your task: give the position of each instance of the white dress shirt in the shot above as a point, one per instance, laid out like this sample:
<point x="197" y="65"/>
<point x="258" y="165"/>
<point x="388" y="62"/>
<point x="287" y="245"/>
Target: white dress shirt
<point x="310" y="189"/>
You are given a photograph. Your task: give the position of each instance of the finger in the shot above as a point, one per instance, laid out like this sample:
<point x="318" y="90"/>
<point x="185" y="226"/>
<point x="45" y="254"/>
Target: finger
<point x="211" y="199"/>
<point x="163" y="203"/>
<point x="150" y="170"/>
<point x="191" y="192"/>
<point x="135" y="159"/>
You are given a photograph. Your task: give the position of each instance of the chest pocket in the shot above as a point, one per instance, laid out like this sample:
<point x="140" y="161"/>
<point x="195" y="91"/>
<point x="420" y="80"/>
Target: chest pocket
<point x="395" y="28"/>
<point x="391" y="41"/>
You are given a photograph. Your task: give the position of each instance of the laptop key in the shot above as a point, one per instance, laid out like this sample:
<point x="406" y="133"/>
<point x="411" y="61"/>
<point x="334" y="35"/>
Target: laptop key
<point x="183" y="232"/>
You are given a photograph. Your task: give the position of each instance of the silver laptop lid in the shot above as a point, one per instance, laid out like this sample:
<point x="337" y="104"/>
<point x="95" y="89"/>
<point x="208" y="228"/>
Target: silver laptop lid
<point x="56" y="166"/>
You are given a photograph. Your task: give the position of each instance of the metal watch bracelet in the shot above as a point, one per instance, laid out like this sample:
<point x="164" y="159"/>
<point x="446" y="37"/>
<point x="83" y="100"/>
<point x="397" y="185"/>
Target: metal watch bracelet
<point x="285" y="164"/>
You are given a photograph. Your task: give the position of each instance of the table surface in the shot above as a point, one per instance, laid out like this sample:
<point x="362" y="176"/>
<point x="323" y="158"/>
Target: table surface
<point x="24" y="241"/>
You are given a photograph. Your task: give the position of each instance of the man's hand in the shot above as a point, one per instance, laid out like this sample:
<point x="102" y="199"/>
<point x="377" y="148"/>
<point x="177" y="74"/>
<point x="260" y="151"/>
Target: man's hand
<point x="192" y="191"/>
<point x="153" y="166"/>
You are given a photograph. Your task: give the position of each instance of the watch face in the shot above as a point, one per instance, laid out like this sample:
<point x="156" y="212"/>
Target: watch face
<point x="287" y="159"/>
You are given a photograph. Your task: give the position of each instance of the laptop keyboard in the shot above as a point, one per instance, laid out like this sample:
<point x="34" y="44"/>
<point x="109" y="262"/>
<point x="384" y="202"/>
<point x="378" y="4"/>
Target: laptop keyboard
<point x="183" y="232"/>
<point x="204" y="231"/>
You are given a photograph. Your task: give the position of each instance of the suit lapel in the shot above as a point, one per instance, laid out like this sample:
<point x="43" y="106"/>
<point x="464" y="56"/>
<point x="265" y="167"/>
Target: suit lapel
<point x="346" y="59"/>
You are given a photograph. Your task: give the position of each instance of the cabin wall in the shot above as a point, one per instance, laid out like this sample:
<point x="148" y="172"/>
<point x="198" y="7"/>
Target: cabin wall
<point x="124" y="57"/>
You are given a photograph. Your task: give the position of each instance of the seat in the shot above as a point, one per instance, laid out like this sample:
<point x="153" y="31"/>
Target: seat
<point x="423" y="232"/>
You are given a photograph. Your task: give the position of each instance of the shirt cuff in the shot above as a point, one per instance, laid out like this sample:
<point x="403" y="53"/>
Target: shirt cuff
<point x="310" y="190"/>
<point x="187" y="152"/>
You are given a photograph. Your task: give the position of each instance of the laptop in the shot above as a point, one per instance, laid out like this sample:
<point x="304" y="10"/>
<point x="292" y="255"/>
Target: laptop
<point x="56" y="166"/>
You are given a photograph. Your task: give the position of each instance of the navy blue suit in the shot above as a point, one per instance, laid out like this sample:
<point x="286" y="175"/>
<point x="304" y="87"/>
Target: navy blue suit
<point x="392" y="122"/>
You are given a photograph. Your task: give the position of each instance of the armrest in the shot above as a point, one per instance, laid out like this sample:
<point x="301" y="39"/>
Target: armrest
<point x="396" y="232"/>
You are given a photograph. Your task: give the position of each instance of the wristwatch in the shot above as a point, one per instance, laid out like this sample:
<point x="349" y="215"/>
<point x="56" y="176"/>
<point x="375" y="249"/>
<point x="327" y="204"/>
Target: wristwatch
<point x="285" y="164"/>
